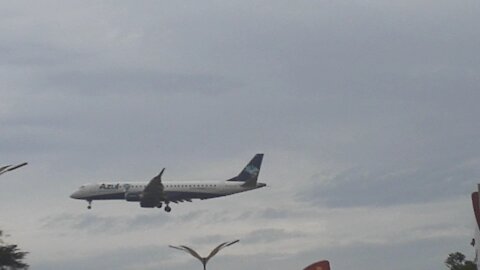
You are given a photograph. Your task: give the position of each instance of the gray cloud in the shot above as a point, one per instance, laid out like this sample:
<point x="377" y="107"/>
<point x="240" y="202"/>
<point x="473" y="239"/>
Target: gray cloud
<point x="121" y="258"/>
<point x="134" y="82"/>
<point x="271" y="235"/>
<point x="357" y="187"/>
<point x="92" y="223"/>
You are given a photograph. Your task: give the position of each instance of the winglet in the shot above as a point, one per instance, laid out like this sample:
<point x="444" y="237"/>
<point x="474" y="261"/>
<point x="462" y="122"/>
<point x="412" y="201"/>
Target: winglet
<point x="161" y="173"/>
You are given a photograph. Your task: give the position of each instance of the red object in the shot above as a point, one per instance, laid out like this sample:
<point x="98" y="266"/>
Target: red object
<point x="321" y="265"/>
<point x="476" y="208"/>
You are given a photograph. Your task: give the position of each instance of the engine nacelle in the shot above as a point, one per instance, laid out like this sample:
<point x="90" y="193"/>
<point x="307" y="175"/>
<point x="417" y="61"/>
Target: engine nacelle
<point x="133" y="197"/>
<point x="147" y="205"/>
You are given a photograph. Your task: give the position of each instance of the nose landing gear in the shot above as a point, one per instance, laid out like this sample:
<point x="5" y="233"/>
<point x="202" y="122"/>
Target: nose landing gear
<point x="167" y="208"/>
<point x="89" y="204"/>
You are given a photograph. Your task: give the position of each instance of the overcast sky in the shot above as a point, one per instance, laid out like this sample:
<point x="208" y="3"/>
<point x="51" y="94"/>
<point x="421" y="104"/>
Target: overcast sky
<point x="367" y="112"/>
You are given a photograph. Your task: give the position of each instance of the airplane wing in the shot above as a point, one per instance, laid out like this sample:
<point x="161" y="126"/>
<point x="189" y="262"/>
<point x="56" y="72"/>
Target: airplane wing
<point x="153" y="192"/>
<point x="178" y="198"/>
<point x="185" y="197"/>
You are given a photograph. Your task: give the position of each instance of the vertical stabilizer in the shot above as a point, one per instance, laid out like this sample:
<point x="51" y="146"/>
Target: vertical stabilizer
<point x="249" y="174"/>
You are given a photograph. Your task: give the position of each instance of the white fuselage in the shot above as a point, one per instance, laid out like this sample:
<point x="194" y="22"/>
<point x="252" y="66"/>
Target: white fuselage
<point x="174" y="190"/>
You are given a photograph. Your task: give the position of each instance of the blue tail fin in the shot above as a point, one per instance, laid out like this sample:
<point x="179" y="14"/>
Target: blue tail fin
<point x="249" y="174"/>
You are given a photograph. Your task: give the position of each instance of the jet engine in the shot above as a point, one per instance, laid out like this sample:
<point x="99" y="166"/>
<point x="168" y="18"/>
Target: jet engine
<point x="133" y="197"/>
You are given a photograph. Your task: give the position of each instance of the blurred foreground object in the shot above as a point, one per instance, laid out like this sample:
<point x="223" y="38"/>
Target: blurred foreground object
<point x="476" y="211"/>
<point x="204" y="260"/>
<point x="8" y="168"/>
<point x="11" y="257"/>
<point x="457" y="261"/>
<point x="321" y="265"/>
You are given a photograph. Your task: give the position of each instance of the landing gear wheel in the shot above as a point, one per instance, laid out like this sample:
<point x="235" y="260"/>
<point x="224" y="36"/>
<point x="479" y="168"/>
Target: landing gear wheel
<point x="168" y="209"/>
<point x="89" y="205"/>
<point x="159" y="205"/>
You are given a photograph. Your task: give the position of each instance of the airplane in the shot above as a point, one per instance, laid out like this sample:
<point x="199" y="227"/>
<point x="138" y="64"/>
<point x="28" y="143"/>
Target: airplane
<point x="9" y="168"/>
<point x="156" y="192"/>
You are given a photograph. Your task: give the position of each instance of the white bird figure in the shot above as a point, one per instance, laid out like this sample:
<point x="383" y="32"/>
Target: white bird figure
<point x="8" y="168"/>
<point x="204" y="260"/>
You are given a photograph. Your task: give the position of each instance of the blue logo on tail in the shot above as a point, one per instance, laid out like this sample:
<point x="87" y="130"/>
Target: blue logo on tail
<point x="252" y="170"/>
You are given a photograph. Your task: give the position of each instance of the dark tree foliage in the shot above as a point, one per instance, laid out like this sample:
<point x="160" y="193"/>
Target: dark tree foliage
<point x="11" y="257"/>
<point x="456" y="261"/>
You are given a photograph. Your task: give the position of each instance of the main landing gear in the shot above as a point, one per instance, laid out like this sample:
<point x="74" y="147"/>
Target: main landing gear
<point x="89" y="204"/>
<point x="167" y="208"/>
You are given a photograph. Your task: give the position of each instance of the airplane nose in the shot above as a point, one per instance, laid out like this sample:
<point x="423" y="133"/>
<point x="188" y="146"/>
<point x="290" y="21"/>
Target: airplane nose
<point x="75" y="195"/>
